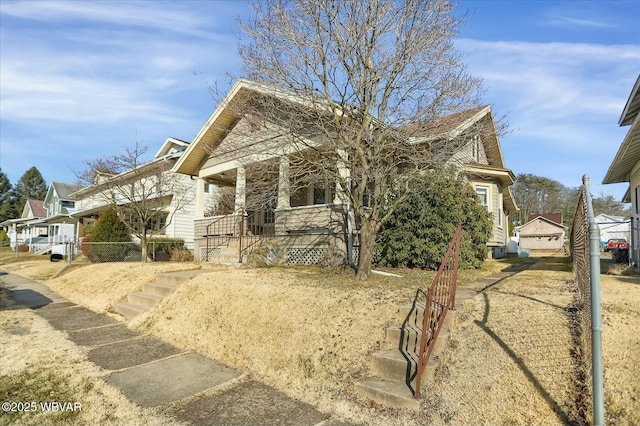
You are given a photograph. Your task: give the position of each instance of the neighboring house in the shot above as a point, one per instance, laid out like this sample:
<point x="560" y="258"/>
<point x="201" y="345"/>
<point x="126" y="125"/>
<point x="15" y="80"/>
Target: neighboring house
<point x="308" y="222"/>
<point x="51" y="222"/>
<point x="626" y="167"/>
<point x="26" y="229"/>
<point x="179" y="209"/>
<point x="59" y="204"/>
<point x="613" y="227"/>
<point x="32" y="229"/>
<point x="541" y="233"/>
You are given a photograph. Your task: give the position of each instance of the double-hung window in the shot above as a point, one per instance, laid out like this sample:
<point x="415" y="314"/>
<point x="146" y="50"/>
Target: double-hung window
<point x="483" y="195"/>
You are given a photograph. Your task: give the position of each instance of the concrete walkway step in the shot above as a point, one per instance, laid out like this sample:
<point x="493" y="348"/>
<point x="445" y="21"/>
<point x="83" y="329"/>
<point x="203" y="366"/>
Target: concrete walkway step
<point x="159" y="288"/>
<point x="146" y="300"/>
<point x="128" y="310"/>
<point x="166" y="283"/>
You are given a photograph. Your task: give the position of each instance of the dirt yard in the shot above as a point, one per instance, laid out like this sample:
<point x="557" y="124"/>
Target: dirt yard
<point x="309" y="331"/>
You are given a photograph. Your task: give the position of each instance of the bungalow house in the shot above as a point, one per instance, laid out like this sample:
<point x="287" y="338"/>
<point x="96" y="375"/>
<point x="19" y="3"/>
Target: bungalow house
<point x="307" y="222"/>
<point x="613" y="227"/>
<point x="543" y="232"/>
<point x="26" y="229"/>
<point x="171" y="194"/>
<point x="626" y="167"/>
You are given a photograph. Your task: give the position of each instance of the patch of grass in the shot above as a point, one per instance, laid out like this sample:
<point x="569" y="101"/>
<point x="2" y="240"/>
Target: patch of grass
<point x="8" y="256"/>
<point x="36" y="386"/>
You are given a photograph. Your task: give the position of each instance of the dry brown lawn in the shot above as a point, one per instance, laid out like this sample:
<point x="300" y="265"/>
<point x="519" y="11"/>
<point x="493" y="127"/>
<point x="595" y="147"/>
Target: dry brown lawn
<point x="309" y="331"/>
<point x="621" y="348"/>
<point x="512" y="362"/>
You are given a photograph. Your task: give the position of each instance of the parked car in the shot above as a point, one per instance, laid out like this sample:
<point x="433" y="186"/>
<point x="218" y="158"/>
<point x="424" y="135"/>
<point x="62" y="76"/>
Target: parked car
<point x="614" y="243"/>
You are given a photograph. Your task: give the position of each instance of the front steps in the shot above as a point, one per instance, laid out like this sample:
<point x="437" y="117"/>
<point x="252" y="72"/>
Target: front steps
<point x="153" y="293"/>
<point x="396" y="366"/>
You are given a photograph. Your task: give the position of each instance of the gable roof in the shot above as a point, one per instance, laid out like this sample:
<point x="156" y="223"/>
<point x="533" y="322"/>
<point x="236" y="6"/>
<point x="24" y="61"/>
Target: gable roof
<point x="441" y="126"/>
<point x="628" y="154"/>
<point x="35" y="207"/>
<point x="454" y="125"/>
<point x="223" y="118"/>
<point x="63" y="190"/>
<point x="170" y="146"/>
<point x="554" y="217"/>
<point x="603" y="217"/>
<point x="541" y="218"/>
<point x="632" y="107"/>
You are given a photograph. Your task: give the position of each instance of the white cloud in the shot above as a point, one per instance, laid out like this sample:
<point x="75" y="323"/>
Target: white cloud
<point x="170" y="17"/>
<point x="569" y="21"/>
<point x="563" y="102"/>
<point x="555" y="80"/>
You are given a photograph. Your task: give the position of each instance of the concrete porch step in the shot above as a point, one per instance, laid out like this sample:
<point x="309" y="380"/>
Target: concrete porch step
<point x="411" y="315"/>
<point x="408" y="337"/>
<point x="389" y="393"/>
<point x="128" y="310"/>
<point x="392" y="364"/>
<point x="146" y="300"/>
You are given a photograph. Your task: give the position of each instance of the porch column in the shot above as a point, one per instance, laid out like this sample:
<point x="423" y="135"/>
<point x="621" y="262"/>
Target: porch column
<point x="284" y="195"/>
<point x="241" y="190"/>
<point x="199" y="198"/>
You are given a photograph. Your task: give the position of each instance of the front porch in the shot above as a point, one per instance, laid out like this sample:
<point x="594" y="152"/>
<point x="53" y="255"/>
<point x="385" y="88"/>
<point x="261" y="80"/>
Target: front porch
<point x="298" y="235"/>
<point x="256" y="202"/>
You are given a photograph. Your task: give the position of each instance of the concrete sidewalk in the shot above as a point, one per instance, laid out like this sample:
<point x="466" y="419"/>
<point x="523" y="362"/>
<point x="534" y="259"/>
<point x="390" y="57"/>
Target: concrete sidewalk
<point x="152" y="373"/>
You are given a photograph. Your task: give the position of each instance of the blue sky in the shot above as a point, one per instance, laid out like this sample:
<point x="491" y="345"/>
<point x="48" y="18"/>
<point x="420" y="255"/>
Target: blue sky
<point x="83" y="79"/>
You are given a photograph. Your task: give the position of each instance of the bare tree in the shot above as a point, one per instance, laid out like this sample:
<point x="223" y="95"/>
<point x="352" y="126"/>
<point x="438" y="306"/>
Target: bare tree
<point x="145" y="194"/>
<point x="364" y="83"/>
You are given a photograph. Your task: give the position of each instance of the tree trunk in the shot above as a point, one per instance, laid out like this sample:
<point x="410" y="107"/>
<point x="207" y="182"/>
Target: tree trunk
<point x="143" y="247"/>
<point x="368" y="233"/>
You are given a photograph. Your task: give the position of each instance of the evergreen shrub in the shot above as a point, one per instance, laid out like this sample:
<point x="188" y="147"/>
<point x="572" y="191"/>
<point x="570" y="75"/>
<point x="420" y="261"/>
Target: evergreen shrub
<point x="420" y="230"/>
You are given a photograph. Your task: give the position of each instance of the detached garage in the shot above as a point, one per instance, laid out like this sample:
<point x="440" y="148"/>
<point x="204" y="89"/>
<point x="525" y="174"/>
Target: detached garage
<point x="541" y="233"/>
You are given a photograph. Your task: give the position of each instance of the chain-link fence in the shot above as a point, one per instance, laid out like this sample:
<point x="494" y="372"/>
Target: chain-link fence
<point x="585" y="252"/>
<point x="99" y="252"/>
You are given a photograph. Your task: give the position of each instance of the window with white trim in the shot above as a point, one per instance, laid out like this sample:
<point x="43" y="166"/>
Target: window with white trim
<point x="483" y="195"/>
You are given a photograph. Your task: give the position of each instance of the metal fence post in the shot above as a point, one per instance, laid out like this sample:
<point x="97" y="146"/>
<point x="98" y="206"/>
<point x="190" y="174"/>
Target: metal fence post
<point x="596" y="312"/>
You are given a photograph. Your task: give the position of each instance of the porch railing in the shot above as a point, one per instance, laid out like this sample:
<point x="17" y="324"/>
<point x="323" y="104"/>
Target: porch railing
<point x="240" y="227"/>
<point x="440" y="298"/>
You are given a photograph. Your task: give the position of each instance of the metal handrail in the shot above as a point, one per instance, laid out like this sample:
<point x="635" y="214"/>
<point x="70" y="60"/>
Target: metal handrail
<point x="440" y="299"/>
<point x="228" y="230"/>
<point x="233" y="229"/>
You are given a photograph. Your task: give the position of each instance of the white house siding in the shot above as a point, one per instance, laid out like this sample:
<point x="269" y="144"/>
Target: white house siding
<point x="634" y="192"/>
<point x="613" y="227"/>
<point x="181" y="225"/>
<point x="473" y="152"/>
<point x="499" y="229"/>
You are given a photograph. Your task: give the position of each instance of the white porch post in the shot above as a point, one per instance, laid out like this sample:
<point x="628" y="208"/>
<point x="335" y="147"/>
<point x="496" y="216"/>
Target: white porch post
<point x="241" y="191"/>
<point x="199" y="198"/>
<point x="284" y="196"/>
